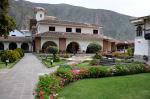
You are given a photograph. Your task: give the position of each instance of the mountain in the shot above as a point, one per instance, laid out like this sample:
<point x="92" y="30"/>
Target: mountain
<point x="114" y="24"/>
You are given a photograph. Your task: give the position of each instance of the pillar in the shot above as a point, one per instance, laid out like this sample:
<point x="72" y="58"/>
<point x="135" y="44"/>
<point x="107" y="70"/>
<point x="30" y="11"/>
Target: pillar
<point x="6" y="45"/>
<point x="37" y="44"/>
<point x="62" y="44"/>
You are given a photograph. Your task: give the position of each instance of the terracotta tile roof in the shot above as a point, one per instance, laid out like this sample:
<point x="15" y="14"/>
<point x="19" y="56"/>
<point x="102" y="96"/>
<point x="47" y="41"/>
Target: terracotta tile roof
<point x="125" y="42"/>
<point x="67" y="23"/>
<point x="69" y="35"/>
<point x="15" y="39"/>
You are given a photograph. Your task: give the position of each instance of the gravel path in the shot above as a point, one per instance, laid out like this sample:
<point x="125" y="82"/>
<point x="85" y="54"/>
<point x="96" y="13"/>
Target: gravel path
<point x="19" y="82"/>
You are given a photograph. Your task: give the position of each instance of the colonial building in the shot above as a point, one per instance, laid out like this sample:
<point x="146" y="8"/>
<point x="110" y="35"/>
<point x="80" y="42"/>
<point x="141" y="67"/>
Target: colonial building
<point x="142" y="40"/>
<point x="45" y="31"/>
<point x="67" y="36"/>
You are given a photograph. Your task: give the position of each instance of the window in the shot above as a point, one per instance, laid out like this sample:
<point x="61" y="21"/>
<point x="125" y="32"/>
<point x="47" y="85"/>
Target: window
<point x="139" y="31"/>
<point x="95" y="31"/>
<point x="78" y="30"/>
<point x="68" y="29"/>
<point x="40" y="15"/>
<point x="51" y="28"/>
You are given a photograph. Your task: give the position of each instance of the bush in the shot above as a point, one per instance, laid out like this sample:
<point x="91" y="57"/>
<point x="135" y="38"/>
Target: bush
<point x="96" y="72"/>
<point x="121" y="55"/>
<point x="65" y="73"/>
<point x="97" y="56"/>
<point x="11" y="55"/>
<point x="130" y="51"/>
<point x="95" y="62"/>
<point x="53" y="50"/>
<point x="133" y="68"/>
<point x="93" y="48"/>
<point x="48" y="84"/>
<point x="56" y="58"/>
<point x="21" y="52"/>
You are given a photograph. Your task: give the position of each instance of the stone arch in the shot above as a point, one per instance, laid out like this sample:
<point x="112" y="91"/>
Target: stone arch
<point x="73" y="47"/>
<point x="47" y="44"/>
<point x="12" y="46"/>
<point x="25" y="47"/>
<point x="1" y="46"/>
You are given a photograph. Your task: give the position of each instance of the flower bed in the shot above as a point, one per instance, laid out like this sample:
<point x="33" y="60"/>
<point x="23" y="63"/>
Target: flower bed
<point x="52" y="84"/>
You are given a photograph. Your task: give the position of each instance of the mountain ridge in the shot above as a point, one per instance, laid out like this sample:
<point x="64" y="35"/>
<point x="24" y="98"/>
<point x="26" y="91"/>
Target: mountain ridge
<point x="115" y="25"/>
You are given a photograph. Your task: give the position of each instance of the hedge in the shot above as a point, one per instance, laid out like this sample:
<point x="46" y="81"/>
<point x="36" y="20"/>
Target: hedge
<point x="11" y="55"/>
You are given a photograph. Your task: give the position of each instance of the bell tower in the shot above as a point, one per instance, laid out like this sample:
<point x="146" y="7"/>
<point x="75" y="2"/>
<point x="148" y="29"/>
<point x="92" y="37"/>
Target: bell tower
<point x="39" y="13"/>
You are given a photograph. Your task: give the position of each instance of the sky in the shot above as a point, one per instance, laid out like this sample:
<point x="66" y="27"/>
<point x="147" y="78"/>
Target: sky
<point x="135" y="8"/>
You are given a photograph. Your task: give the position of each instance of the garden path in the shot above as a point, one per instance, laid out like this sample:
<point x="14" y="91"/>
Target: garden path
<point x="78" y="58"/>
<point x="19" y="82"/>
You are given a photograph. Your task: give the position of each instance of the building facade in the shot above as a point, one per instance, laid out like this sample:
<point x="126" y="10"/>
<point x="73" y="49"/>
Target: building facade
<point x="142" y="40"/>
<point x="45" y="31"/>
<point x="66" y="35"/>
<point x="16" y="39"/>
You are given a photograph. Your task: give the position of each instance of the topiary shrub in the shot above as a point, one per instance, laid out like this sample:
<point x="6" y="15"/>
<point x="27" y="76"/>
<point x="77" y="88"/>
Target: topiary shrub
<point x="53" y="50"/>
<point x="93" y="48"/>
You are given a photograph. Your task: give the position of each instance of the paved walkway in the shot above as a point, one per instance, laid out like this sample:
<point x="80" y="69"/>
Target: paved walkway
<point x="76" y="59"/>
<point x="19" y="82"/>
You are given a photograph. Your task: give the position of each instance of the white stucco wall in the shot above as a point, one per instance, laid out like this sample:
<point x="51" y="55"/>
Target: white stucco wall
<point x="83" y="43"/>
<point x="55" y="40"/>
<point x="141" y="46"/>
<point x="45" y="28"/>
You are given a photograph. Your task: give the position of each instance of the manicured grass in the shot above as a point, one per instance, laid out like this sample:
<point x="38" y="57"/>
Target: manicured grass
<point x="48" y="64"/>
<point x="10" y="65"/>
<point x="84" y="64"/>
<point x="121" y="87"/>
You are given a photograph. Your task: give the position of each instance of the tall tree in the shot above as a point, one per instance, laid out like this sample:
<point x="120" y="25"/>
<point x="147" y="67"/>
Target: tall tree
<point x="7" y="23"/>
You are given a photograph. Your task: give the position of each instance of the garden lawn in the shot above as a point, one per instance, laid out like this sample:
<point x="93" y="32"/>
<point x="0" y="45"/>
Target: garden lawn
<point x="10" y="65"/>
<point x="120" y="87"/>
<point x="48" y="64"/>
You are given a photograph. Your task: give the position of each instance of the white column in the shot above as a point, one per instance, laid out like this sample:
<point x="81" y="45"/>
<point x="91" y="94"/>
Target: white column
<point x="19" y="45"/>
<point x="30" y="46"/>
<point x="6" y="45"/>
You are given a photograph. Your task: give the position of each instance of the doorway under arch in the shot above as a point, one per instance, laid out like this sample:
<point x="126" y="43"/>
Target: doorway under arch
<point x="1" y="46"/>
<point x="47" y="44"/>
<point x="12" y="46"/>
<point x="25" y="47"/>
<point x="72" y="47"/>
